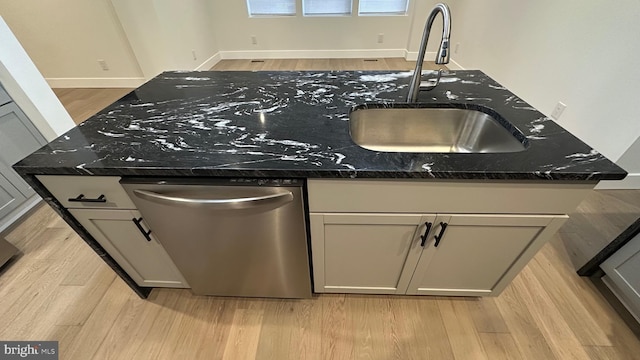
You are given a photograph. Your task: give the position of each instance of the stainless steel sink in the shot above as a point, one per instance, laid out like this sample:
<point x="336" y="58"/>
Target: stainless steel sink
<point x="407" y="128"/>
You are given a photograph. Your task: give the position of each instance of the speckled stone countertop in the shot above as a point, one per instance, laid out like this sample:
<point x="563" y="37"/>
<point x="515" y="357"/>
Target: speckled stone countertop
<point x="295" y="124"/>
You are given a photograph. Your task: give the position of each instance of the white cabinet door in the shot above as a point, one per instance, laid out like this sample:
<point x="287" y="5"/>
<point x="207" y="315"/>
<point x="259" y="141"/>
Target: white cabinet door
<point x="145" y="261"/>
<point x="477" y="255"/>
<point x="365" y="253"/>
<point x="623" y="275"/>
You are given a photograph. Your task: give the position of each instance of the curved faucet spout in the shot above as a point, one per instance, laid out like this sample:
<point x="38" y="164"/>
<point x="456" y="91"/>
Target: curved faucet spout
<point x="442" y="56"/>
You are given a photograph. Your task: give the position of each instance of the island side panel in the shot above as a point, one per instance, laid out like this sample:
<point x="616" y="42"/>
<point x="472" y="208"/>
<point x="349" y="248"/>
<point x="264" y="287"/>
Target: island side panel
<point x="41" y="190"/>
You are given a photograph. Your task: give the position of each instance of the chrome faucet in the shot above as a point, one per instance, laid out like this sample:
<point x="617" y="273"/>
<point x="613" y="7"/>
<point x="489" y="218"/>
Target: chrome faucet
<point x="442" y="57"/>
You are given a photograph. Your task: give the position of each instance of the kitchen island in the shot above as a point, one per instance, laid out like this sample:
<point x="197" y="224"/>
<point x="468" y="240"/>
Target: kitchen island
<point x="295" y="125"/>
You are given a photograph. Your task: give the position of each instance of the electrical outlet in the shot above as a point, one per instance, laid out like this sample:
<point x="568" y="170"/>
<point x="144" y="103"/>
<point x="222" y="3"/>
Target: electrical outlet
<point x="456" y="48"/>
<point x="254" y="40"/>
<point x="193" y="52"/>
<point x="380" y="38"/>
<point x="558" y="110"/>
<point x="103" y="64"/>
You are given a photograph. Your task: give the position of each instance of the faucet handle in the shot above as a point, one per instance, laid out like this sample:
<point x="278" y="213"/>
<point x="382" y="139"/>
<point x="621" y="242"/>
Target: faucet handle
<point x="430" y="84"/>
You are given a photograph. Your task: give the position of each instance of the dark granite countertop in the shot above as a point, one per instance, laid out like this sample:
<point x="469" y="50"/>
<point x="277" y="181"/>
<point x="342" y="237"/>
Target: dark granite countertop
<point x="295" y="124"/>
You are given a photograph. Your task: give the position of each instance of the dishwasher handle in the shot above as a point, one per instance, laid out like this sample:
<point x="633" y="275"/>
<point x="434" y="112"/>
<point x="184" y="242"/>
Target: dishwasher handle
<point x="217" y="204"/>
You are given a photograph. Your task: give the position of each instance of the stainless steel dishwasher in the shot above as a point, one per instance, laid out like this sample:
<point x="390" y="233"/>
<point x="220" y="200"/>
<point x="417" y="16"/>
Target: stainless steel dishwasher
<point x="229" y="237"/>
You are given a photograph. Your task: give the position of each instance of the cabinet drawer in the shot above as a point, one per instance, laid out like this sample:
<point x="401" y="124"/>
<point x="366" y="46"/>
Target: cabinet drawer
<point x="66" y="188"/>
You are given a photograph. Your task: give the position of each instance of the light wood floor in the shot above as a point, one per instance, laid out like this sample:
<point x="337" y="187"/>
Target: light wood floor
<point x="60" y="290"/>
<point x="82" y="103"/>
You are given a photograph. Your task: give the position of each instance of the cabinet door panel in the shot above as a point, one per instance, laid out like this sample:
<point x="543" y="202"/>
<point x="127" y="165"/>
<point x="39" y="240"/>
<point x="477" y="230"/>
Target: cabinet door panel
<point x="10" y="197"/>
<point x="145" y="261"/>
<point x="18" y="138"/>
<point x="623" y="275"/>
<point x="474" y="254"/>
<point x="359" y="253"/>
<point x="4" y="97"/>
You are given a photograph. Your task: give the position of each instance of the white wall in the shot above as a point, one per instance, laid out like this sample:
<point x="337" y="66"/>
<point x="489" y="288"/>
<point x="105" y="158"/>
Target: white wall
<point x="65" y="38"/>
<point x="298" y="36"/>
<point x="164" y="34"/>
<point x="583" y="53"/>
<point x="20" y="77"/>
<point x="189" y="25"/>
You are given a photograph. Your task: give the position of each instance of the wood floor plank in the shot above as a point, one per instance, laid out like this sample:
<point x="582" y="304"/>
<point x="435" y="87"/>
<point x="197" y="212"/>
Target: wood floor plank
<point x="244" y="334"/>
<point x="486" y="316"/>
<point x="281" y="64"/>
<point x="38" y="318"/>
<point x="399" y="64"/>
<point x="371" y="317"/>
<point x="522" y="326"/>
<point x="277" y="330"/>
<point x="88" y="262"/>
<point x="14" y="279"/>
<point x="150" y="344"/>
<point x="430" y="340"/>
<point x="500" y="346"/>
<point x="55" y="243"/>
<point x="34" y="297"/>
<point x="201" y="316"/>
<point x="597" y="306"/>
<point x="64" y="335"/>
<point x="98" y="325"/>
<point x="87" y="297"/>
<point x="84" y="103"/>
<point x="337" y="334"/>
<point x="607" y="353"/>
<point x="24" y="233"/>
<point x="288" y="330"/>
<point x="568" y="303"/>
<point x="142" y="324"/>
<point x="461" y="331"/>
<point x="117" y="335"/>
<point x="65" y="306"/>
<point x="555" y="329"/>
<point x="306" y="342"/>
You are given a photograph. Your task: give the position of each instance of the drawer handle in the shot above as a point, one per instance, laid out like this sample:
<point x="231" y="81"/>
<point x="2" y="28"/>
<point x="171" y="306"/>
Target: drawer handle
<point x="142" y="230"/>
<point x="443" y="228"/>
<point x="81" y="198"/>
<point x="426" y="233"/>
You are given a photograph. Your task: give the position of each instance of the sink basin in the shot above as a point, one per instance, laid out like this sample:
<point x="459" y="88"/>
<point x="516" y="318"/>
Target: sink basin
<point x="433" y="128"/>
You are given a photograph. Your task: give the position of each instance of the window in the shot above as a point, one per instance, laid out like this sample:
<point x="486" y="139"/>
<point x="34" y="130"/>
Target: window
<point x="383" y="7"/>
<point x="326" y="7"/>
<point x="271" y="7"/>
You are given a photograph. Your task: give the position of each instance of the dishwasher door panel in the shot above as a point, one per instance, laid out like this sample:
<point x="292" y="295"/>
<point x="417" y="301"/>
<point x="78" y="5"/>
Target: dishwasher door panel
<point x="231" y="240"/>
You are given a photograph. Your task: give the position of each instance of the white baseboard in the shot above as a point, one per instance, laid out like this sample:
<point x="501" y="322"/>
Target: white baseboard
<point x="210" y="62"/>
<point x="453" y="65"/>
<point x="631" y="182"/>
<point x="311" y="54"/>
<point x="95" y="82"/>
<point x="413" y="56"/>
